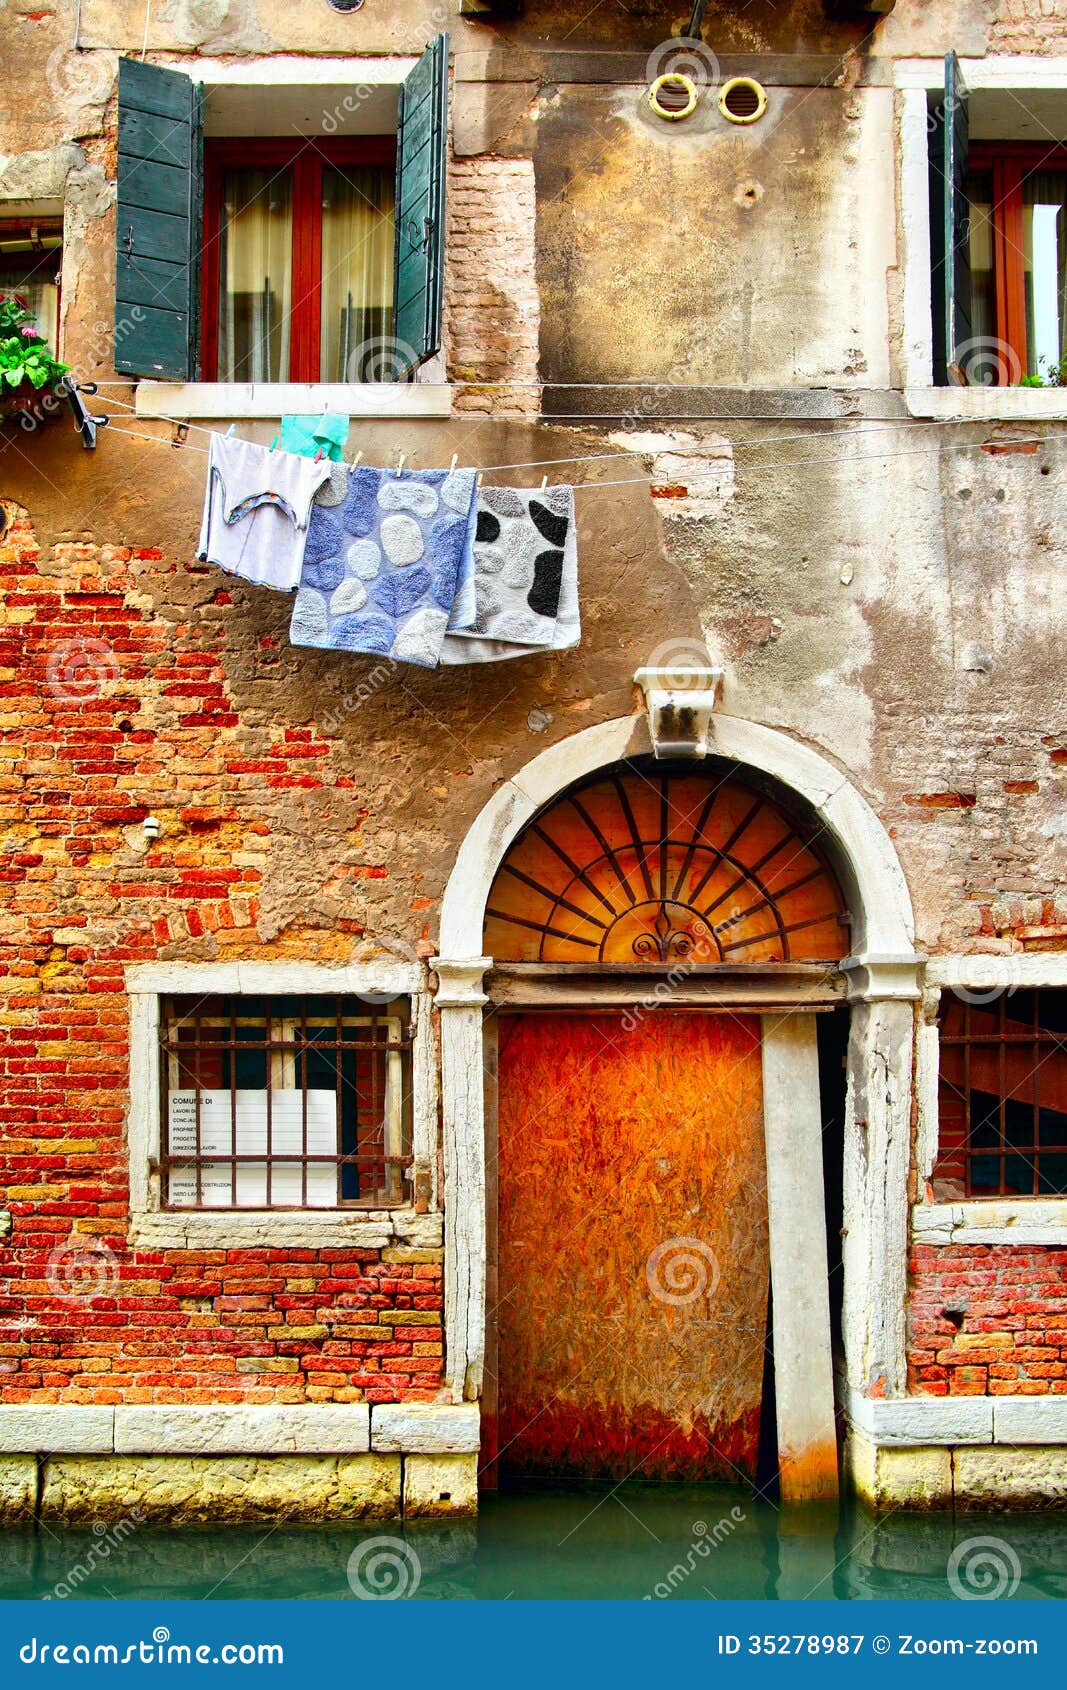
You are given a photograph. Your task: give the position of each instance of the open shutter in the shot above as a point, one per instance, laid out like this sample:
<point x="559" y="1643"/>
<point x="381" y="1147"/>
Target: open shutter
<point x="157" y="231"/>
<point x="950" y="229"/>
<point x="422" y="134"/>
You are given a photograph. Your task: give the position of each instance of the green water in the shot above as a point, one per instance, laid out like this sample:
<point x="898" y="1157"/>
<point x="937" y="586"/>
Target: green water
<point x="691" y="1543"/>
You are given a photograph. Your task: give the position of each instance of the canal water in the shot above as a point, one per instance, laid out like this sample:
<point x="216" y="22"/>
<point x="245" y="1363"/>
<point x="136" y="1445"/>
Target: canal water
<point x="673" y="1543"/>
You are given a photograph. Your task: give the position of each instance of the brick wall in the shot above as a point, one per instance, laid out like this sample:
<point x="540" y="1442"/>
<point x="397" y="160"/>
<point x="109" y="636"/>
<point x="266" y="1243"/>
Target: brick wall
<point x="492" y="317"/>
<point x="987" y="1320"/>
<point x="1028" y="26"/>
<point x="119" y="710"/>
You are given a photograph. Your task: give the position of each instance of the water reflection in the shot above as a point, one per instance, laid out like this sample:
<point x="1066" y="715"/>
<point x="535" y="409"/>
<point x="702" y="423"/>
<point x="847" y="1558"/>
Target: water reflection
<point x="671" y="1543"/>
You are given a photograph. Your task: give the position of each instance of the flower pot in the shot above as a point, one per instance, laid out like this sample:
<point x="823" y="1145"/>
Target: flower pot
<point x="30" y="407"/>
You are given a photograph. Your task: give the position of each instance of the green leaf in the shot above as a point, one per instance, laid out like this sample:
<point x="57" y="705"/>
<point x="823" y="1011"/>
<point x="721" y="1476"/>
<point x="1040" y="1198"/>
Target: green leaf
<point x="13" y="377"/>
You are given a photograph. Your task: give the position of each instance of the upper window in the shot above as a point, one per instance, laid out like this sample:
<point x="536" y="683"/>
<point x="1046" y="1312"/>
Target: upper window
<point x="998" y="225"/>
<point x="284" y="1102"/>
<point x="298" y="260"/>
<point x="1002" y="1100"/>
<point x="31" y="258"/>
<point x="322" y="257"/>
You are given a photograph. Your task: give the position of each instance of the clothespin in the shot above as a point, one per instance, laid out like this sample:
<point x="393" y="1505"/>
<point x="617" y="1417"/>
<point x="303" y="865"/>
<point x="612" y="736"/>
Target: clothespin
<point x="401" y="462"/>
<point x="544" y="482"/>
<point x="452" y="465"/>
<point x="356" y="459"/>
<point x="180" y="434"/>
<point x="232" y="430"/>
<point x="318" y="456"/>
<point x="274" y="443"/>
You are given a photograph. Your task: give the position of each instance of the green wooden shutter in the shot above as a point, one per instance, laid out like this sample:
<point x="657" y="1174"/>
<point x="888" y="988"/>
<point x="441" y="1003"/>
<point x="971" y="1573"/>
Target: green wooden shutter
<point x="158" y="223"/>
<point x="950" y="226"/>
<point x="422" y="134"/>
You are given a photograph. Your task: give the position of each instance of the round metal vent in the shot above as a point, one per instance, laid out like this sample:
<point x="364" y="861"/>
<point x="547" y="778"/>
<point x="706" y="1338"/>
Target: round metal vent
<point x="344" y="5"/>
<point x="741" y="100"/>
<point x="673" y="96"/>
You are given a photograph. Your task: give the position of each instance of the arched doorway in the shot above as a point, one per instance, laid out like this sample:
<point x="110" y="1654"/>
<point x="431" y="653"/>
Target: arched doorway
<point x="881" y="983"/>
<point x="631" y="1211"/>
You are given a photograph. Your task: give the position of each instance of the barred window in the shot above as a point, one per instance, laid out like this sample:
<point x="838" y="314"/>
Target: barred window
<point x="1002" y="1102"/>
<point x="284" y="1102"/>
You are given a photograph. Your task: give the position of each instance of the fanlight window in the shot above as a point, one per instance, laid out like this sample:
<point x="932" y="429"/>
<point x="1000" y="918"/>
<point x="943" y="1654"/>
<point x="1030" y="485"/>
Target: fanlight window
<point x="659" y="867"/>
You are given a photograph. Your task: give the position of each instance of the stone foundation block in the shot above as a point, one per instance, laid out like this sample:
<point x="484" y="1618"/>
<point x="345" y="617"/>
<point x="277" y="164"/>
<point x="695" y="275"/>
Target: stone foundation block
<point x="440" y="1484"/>
<point x="1000" y="1476"/>
<point x="206" y="1490"/>
<point x="900" y="1478"/>
<point x="18" y="1488"/>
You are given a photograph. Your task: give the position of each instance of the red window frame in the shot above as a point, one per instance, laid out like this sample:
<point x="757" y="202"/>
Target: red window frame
<point x="1009" y="162"/>
<point x="307" y="160"/>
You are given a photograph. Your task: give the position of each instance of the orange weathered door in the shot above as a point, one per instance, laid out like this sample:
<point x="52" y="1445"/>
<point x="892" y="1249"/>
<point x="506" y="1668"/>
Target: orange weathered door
<point x="633" y="1261"/>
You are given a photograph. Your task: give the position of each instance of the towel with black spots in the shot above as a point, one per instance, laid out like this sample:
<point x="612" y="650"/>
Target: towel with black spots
<point x="524" y="544"/>
<point x="387" y="556"/>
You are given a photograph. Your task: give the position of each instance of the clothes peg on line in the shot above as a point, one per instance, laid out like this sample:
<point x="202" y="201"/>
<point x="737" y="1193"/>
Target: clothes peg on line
<point x="318" y="456"/>
<point x="356" y="459"/>
<point x="452" y="465"/>
<point x="274" y="443"/>
<point x="401" y="462"/>
<point x="544" y="482"/>
<point x="231" y="431"/>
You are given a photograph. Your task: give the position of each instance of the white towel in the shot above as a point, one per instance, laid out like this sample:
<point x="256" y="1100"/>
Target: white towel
<point x="256" y="510"/>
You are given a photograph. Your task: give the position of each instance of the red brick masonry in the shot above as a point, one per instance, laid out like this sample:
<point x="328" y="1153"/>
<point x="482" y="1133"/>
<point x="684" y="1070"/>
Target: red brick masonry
<point x="987" y="1320"/>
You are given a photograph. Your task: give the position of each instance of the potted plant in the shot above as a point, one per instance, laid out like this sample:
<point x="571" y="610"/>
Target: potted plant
<point x="28" y="369"/>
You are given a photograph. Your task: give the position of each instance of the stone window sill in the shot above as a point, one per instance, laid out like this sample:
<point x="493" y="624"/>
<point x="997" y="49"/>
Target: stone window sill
<point x="992" y="1220"/>
<point x="988" y="404"/>
<point x="221" y="399"/>
<point x="312" y="1229"/>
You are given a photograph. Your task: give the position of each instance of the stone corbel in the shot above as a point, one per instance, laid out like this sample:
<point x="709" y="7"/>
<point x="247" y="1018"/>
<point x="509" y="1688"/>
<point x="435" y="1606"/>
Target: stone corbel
<point x="679" y="702"/>
<point x="894" y="977"/>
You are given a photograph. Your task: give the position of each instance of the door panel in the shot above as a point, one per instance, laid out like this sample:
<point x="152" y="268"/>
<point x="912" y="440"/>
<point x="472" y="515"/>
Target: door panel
<point x="633" y="1244"/>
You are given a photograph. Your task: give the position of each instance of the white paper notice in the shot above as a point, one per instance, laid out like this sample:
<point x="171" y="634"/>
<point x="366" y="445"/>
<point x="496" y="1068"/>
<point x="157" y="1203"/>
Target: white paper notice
<point x="286" y="1138"/>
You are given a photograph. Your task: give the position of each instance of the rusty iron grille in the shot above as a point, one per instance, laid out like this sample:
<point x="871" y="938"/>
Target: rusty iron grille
<point x="661" y="867"/>
<point x="284" y="1102"/>
<point x="1002" y="1097"/>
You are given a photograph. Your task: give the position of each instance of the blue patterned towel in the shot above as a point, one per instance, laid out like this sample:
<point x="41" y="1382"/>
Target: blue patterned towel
<point x="386" y="557"/>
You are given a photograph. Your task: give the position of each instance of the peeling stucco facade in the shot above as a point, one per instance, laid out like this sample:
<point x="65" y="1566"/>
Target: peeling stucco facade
<point x="711" y="319"/>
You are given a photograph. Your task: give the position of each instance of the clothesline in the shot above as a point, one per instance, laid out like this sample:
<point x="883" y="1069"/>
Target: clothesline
<point x="699" y="475"/>
<point x="697" y="450"/>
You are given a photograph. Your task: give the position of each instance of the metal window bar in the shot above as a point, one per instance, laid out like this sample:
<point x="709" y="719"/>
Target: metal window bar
<point x="369" y="1056"/>
<point x="1030" y="1062"/>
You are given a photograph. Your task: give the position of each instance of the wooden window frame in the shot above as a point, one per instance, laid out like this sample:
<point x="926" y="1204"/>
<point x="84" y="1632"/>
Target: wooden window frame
<point x="307" y="160"/>
<point x="1009" y="162"/>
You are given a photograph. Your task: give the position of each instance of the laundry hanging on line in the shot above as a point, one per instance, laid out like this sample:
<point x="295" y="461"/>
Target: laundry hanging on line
<point x="386" y="559"/>
<point x="257" y="506"/>
<point x="421" y="566"/>
<point x="309" y="436"/>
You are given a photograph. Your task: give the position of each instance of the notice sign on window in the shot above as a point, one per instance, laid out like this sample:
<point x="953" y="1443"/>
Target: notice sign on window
<point x="218" y="1119"/>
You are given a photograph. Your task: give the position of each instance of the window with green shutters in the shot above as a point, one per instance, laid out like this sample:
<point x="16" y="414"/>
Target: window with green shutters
<point x="243" y="266"/>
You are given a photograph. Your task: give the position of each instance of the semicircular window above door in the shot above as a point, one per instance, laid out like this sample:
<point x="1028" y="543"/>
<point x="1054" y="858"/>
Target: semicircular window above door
<point x="661" y="867"/>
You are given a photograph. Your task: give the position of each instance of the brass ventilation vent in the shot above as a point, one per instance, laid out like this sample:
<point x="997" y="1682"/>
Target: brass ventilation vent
<point x="742" y="100"/>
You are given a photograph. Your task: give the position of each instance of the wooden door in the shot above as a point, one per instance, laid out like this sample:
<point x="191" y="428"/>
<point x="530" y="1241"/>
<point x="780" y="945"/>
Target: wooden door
<point x="633" y="1258"/>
